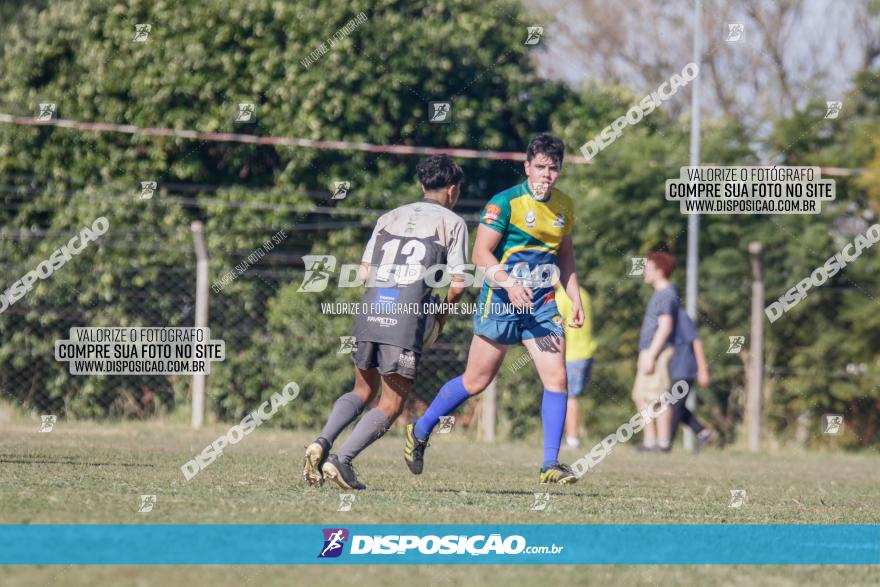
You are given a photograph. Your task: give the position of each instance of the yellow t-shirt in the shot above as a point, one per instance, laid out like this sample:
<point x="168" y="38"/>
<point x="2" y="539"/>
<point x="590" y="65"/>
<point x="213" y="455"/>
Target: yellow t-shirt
<point x="579" y="343"/>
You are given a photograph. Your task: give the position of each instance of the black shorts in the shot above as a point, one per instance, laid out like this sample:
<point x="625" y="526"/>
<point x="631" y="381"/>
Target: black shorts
<point x="388" y="359"/>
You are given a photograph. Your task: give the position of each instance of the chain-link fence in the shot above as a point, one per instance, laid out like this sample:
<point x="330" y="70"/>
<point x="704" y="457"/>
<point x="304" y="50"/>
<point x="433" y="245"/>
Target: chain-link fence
<point x="274" y="334"/>
<point x="82" y="293"/>
<point x="282" y="331"/>
<point x="160" y="292"/>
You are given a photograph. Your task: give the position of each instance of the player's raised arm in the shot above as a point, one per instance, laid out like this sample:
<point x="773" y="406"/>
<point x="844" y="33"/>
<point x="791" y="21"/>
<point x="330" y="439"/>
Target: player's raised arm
<point x="366" y="258"/>
<point x="456" y="290"/>
<point x="456" y="260"/>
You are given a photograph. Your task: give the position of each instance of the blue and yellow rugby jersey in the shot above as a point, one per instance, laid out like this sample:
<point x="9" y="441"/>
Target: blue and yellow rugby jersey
<point x="532" y="231"/>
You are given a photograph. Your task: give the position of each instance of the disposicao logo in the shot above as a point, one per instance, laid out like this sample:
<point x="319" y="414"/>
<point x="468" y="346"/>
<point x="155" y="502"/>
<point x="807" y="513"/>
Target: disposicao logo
<point x="452" y="544"/>
<point x="334" y="540"/>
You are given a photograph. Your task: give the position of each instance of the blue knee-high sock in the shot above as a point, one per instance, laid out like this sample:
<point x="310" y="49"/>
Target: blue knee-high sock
<point x="448" y="398"/>
<point x="553" y="408"/>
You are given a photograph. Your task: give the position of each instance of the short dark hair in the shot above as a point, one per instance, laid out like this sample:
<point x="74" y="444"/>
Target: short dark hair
<point x="664" y="262"/>
<point x="439" y="171"/>
<point x="546" y="144"/>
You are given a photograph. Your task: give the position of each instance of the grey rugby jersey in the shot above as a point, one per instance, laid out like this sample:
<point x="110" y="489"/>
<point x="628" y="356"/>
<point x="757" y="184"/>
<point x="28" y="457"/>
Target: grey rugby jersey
<point x="413" y="236"/>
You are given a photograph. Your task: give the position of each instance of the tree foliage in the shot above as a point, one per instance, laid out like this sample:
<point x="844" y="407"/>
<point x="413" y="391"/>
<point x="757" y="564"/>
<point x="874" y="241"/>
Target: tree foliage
<point x="203" y="59"/>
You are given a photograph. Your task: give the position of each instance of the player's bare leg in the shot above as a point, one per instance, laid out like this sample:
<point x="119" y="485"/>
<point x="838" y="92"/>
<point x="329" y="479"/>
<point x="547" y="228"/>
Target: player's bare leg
<point x="345" y="411"/>
<point x="374" y="425"/>
<point x="395" y="390"/>
<point x="548" y="354"/>
<point x="484" y="360"/>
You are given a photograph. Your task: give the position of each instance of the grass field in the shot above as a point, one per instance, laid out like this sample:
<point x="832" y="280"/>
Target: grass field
<point x="95" y="473"/>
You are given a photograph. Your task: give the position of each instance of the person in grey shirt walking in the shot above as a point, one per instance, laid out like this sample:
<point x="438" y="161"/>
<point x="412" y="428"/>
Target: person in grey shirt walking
<point x="655" y="349"/>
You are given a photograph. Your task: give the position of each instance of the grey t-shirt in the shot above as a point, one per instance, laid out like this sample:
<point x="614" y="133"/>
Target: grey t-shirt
<point x="663" y="301"/>
<point x="405" y="242"/>
<point x="684" y="363"/>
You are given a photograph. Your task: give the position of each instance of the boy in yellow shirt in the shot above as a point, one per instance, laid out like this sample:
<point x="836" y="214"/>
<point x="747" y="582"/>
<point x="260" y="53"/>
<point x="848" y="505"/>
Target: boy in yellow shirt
<point x="579" y="349"/>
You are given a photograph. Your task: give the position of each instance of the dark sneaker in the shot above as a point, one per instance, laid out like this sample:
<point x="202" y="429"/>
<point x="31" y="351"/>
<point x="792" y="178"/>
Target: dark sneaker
<point x="705" y="436"/>
<point x="316" y="454"/>
<point x="559" y="474"/>
<point x="414" y="451"/>
<point x="341" y="473"/>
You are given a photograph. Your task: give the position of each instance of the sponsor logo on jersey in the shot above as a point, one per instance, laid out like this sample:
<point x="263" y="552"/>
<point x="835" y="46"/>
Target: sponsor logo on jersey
<point x="492" y="214"/>
<point x="386" y="298"/>
<point x="560" y="220"/>
<point x="384" y="322"/>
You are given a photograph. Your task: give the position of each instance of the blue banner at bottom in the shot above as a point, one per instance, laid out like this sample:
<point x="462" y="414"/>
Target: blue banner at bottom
<point x="178" y="544"/>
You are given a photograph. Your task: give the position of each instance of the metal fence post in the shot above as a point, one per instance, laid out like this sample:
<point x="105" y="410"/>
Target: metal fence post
<point x="198" y="382"/>
<point x="756" y="354"/>
<point x="488" y="411"/>
<point x="693" y="236"/>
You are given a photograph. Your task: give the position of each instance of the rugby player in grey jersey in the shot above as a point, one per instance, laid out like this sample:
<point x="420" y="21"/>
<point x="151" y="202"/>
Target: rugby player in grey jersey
<point x="405" y="242"/>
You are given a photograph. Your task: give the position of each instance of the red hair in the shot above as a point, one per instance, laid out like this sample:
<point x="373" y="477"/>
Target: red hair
<point x="664" y="262"/>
